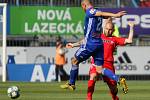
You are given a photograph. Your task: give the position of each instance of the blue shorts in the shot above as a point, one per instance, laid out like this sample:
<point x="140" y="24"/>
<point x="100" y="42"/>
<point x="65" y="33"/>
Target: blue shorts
<point x="86" y="51"/>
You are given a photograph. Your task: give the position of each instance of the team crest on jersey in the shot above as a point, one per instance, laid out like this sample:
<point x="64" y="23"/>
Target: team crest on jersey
<point x="92" y="11"/>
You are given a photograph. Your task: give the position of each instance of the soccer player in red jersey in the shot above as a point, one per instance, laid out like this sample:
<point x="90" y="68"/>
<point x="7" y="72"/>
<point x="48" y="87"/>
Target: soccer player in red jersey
<point x="110" y="43"/>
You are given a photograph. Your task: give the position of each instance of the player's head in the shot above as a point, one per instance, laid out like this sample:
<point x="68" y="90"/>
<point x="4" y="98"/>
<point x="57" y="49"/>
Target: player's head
<point x="109" y="28"/>
<point x="85" y="4"/>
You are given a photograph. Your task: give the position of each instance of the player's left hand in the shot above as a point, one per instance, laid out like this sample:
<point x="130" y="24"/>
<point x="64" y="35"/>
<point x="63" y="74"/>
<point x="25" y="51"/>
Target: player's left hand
<point x="131" y="24"/>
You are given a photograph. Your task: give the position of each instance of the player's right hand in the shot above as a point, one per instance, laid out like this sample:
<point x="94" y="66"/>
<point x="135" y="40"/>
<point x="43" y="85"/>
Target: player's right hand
<point x="121" y="13"/>
<point x="69" y="45"/>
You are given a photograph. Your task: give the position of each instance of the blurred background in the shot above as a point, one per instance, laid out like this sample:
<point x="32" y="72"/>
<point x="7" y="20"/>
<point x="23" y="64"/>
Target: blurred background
<point x="34" y="26"/>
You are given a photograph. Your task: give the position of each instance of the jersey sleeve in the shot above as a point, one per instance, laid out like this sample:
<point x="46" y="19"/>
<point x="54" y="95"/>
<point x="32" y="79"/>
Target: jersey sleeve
<point x="120" y="41"/>
<point x="91" y="12"/>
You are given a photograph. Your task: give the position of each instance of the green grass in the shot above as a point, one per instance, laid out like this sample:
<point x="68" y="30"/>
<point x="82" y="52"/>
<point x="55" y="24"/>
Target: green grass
<point x="138" y="90"/>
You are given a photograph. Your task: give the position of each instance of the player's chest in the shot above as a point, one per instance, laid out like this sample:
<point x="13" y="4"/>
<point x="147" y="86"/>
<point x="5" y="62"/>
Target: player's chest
<point x="109" y="43"/>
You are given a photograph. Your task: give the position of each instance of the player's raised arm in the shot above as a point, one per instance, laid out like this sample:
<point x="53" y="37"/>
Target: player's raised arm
<point x="131" y="31"/>
<point x="108" y="14"/>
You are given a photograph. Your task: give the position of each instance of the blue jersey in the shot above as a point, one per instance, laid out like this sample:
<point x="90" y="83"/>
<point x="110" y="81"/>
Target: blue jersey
<point x="92" y="27"/>
<point x="93" y="44"/>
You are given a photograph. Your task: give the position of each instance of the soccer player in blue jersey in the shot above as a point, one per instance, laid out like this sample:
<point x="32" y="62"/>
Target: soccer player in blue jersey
<point x="92" y="44"/>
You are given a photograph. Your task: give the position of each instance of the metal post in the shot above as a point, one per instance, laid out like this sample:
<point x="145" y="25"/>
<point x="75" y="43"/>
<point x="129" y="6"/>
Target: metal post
<point x="135" y="3"/>
<point x="51" y="2"/>
<point x="4" y="41"/>
<point x="17" y="2"/>
<point x="118" y="4"/>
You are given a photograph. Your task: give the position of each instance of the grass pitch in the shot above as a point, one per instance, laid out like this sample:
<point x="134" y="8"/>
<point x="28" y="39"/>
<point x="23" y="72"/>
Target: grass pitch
<point x="138" y="90"/>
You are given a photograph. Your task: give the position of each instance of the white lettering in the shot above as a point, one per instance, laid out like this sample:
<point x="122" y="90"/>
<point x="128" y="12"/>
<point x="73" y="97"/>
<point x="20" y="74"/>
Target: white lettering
<point x="37" y="74"/>
<point x="54" y="14"/>
<point x="59" y="14"/>
<point x="79" y="28"/>
<point x="27" y="30"/>
<point x="44" y="28"/>
<point x="61" y="28"/>
<point x="70" y="28"/>
<point x="41" y="15"/>
<point x="51" y="74"/>
<point x="36" y="28"/>
<point x="52" y="28"/>
<point x="127" y="18"/>
<point x="145" y="21"/>
<point x="50" y="15"/>
<point x="67" y="15"/>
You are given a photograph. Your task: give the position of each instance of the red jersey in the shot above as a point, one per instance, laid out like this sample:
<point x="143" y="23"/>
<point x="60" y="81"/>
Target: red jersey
<point x="110" y="44"/>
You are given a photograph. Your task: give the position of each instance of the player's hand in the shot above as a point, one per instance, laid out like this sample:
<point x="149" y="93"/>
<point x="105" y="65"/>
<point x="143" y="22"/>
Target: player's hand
<point x="69" y="45"/>
<point x="121" y="13"/>
<point x="131" y="24"/>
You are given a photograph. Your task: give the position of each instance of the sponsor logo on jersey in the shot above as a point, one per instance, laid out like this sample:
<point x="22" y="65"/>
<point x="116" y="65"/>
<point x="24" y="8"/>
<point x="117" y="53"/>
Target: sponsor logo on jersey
<point x="92" y="11"/>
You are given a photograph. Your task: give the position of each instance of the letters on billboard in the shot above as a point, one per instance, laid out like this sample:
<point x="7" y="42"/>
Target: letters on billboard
<point x="62" y="20"/>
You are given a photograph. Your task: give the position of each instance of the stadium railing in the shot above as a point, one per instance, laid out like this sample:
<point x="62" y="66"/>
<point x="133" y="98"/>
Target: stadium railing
<point x="97" y="3"/>
<point x="32" y="41"/>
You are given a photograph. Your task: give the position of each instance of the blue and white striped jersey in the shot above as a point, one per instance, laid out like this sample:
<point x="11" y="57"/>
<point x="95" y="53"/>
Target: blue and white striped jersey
<point x="92" y="26"/>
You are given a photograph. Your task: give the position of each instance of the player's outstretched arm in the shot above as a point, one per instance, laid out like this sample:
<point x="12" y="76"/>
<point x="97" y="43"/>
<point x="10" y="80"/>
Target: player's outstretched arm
<point x="77" y="44"/>
<point x="131" y="31"/>
<point x="108" y="14"/>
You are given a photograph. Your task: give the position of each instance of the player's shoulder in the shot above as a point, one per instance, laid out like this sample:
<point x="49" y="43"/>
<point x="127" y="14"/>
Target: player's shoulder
<point x="116" y="39"/>
<point x="92" y="11"/>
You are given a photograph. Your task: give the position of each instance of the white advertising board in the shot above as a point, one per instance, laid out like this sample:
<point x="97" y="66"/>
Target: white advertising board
<point x="133" y="60"/>
<point x="129" y="60"/>
<point x="43" y="54"/>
